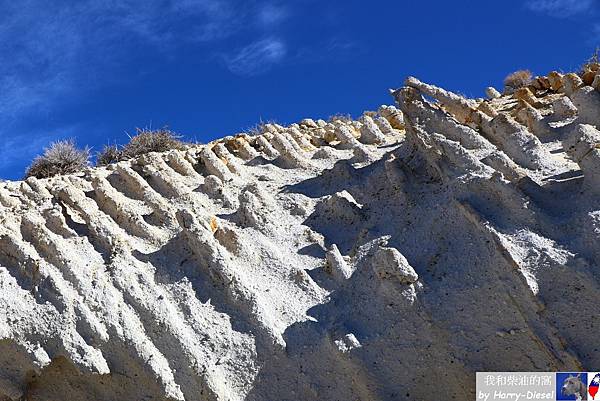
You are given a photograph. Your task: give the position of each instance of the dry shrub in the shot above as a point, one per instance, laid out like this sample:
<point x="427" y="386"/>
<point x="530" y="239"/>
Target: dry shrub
<point x="518" y="79"/>
<point x="590" y="68"/>
<point x="593" y="62"/>
<point x="259" y="128"/>
<point x="109" y="154"/>
<point x="144" y="141"/>
<point x="61" y="157"/>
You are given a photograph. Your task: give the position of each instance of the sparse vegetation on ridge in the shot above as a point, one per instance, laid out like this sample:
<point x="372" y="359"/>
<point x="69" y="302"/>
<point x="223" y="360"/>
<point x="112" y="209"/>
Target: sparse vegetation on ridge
<point x="144" y="141"/>
<point x="259" y="128"/>
<point x="61" y="157"/>
<point x="590" y="68"/>
<point x="518" y="79"/>
<point x="109" y="154"/>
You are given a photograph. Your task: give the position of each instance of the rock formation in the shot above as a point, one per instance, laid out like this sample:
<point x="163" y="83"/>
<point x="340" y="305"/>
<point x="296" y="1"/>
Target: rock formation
<point x="343" y="260"/>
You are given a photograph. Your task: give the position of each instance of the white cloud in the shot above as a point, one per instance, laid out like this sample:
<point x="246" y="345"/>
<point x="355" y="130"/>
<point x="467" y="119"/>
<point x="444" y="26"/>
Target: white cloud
<point x="270" y="15"/>
<point x="257" y="57"/>
<point x="53" y="49"/>
<point x="560" y="8"/>
<point x="61" y="50"/>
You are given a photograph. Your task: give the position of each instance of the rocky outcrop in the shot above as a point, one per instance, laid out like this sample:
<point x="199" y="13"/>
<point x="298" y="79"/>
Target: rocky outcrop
<point x="343" y="260"/>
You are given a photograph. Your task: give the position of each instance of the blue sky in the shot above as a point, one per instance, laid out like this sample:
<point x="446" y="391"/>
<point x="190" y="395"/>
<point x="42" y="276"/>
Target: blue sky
<point x="93" y="70"/>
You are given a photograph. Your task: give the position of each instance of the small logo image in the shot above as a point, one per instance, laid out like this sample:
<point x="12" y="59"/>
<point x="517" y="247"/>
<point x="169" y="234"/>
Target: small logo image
<point x="593" y="385"/>
<point x="572" y="386"/>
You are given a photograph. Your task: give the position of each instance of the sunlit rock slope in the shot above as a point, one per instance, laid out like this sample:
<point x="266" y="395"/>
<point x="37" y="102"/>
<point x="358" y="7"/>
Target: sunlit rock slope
<point x="343" y="260"/>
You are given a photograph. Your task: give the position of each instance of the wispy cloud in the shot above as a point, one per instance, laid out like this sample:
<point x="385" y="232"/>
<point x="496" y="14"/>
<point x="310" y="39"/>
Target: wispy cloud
<point x="560" y="8"/>
<point x="50" y="48"/>
<point x="271" y="14"/>
<point x="59" y="51"/>
<point x="257" y="57"/>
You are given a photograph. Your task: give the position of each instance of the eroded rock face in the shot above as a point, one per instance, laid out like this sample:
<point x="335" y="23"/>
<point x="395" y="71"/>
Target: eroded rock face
<point x="354" y="260"/>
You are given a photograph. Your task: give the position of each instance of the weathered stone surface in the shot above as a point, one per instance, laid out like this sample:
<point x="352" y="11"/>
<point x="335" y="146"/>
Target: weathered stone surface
<point x="492" y="93"/>
<point x="316" y="261"/>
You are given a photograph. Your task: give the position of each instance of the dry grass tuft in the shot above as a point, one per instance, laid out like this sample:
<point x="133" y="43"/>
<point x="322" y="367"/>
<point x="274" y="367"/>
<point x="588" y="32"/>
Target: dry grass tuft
<point x="259" y="128"/>
<point x="144" y="141"/>
<point x="593" y="63"/>
<point x="518" y="79"/>
<point x="590" y="68"/>
<point x="109" y="154"/>
<point x="61" y="157"/>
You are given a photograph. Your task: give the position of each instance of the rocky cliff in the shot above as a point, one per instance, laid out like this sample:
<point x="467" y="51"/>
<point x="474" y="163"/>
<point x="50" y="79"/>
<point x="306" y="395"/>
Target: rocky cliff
<point x="348" y="260"/>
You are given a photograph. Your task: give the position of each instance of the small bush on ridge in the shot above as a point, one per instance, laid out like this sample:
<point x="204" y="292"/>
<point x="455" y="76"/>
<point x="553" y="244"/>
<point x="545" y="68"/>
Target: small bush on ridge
<point x="61" y="157"/>
<point x="518" y="79"/>
<point x="144" y="141"/>
<point x="259" y="128"/>
<point x="109" y="154"/>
